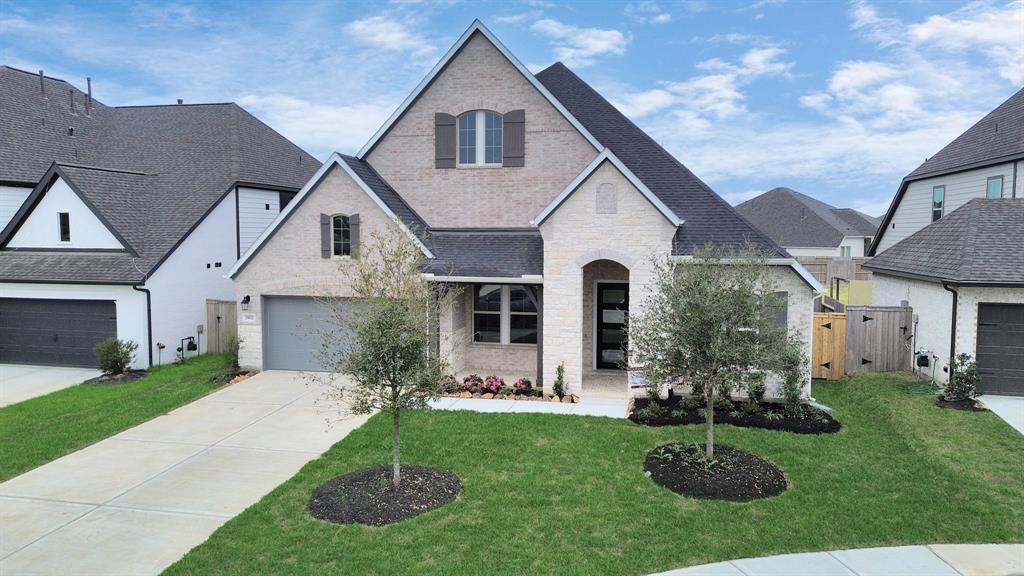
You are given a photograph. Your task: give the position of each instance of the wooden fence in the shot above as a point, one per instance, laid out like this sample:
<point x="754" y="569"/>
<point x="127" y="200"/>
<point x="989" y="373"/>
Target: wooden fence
<point x="825" y="268"/>
<point x="221" y="325"/>
<point x="863" y="339"/>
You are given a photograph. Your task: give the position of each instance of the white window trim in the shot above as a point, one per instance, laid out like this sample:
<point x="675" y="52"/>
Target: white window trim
<point x="1002" y="186"/>
<point x="505" y="322"/>
<point x="845" y="251"/>
<point x="342" y="256"/>
<point x="480" y="136"/>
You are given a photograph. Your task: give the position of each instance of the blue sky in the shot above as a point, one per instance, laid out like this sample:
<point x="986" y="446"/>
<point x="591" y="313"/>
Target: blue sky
<point x="836" y="99"/>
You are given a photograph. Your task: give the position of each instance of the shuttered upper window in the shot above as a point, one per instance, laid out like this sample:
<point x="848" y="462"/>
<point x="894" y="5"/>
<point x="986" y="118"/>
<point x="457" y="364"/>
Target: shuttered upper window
<point x="342" y="235"/>
<point x="480" y="137"/>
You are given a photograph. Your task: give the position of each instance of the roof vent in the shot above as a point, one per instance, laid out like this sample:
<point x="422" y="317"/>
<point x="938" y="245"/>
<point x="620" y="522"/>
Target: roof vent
<point x="71" y="131"/>
<point x="42" y="84"/>
<point x="180" y="101"/>
<point x="71" y="99"/>
<point x="88" y="98"/>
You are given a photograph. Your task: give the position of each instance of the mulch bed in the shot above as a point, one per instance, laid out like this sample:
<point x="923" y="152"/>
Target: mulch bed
<point x="367" y="496"/>
<point x="532" y="397"/>
<point x="810" y="420"/>
<point x="735" y="475"/>
<point x="128" y="376"/>
<point x="967" y="404"/>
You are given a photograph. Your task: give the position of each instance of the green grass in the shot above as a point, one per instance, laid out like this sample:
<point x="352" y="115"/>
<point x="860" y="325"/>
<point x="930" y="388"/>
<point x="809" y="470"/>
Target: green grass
<point x="551" y="494"/>
<point x="42" y="429"/>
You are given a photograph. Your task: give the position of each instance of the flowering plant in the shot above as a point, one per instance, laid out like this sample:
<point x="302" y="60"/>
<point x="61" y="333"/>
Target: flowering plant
<point x="449" y="384"/>
<point x="523" y="384"/>
<point x="472" y="383"/>
<point x="493" y="383"/>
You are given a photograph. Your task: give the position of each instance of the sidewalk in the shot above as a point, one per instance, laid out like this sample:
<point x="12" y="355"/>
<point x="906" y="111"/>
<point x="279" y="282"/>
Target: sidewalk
<point x="585" y="407"/>
<point x="934" y="560"/>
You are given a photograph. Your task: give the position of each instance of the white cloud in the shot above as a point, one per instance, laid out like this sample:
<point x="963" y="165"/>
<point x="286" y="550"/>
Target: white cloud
<point x="579" y="47"/>
<point x="320" y="128"/>
<point x="387" y="33"/>
<point x="647" y="11"/>
<point x="518" y="18"/>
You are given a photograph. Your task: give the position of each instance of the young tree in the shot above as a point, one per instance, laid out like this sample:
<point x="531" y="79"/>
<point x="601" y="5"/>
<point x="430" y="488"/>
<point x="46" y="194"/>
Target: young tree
<point x="384" y="338"/>
<point x="707" y="322"/>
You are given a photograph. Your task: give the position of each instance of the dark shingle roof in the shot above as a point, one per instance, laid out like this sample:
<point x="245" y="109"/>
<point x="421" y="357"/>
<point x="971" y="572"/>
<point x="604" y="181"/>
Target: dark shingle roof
<point x="794" y="219"/>
<point x="387" y="194"/>
<point x="980" y="242"/>
<point x="707" y="217"/>
<point x="1000" y="134"/>
<point x="497" y="253"/>
<point x="190" y="156"/>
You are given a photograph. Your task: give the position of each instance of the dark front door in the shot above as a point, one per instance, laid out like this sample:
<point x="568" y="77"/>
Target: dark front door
<point x="612" y="303"/>
<point x="54" y="332"/>
<point x="1000" y="353"/>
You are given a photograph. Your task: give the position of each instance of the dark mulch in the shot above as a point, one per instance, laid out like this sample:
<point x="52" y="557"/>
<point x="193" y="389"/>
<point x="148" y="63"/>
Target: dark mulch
<point x="129" y="376"/>
<point x="967" y="404"/>
<point x="671" y="412"/>
<point x="367" y="496"/>
<point x="734" y="474"/>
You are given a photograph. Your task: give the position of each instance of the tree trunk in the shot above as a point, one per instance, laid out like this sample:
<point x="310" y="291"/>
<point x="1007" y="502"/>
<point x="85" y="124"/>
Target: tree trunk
<point x="396" y="471"/>
<point x="709" y="420"/>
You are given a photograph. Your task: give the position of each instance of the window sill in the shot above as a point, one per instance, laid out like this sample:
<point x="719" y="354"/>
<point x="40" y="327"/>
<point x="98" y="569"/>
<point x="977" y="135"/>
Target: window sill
<point x="478" y="166"/>
<point x="500" y="345"/>
<point x="336" y="257"/>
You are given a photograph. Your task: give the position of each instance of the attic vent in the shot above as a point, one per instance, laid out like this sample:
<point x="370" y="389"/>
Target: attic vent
<point x="607" y="199"/>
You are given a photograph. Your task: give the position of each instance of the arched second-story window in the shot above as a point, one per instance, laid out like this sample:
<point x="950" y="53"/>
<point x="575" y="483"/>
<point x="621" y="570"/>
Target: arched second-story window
<point x="341" y="228"/>
<point x="480" y="137"/>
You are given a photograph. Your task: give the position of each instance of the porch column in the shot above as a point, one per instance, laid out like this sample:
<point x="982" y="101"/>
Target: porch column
<point x="563" y="324"/>
<point x="536" y="294"/>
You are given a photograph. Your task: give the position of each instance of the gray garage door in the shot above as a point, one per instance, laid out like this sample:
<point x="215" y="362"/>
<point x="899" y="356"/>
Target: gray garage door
<point x="1001" y="348"/>
<point x="292" y="328"/>
<point x="54" y="332"/>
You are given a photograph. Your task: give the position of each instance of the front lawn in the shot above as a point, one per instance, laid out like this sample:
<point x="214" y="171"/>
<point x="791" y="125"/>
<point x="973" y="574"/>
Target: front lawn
<point x="42" y="429"/>
<point x="546" y="494"/>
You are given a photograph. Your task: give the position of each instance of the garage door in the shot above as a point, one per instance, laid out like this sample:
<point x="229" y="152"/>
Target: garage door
<point x="54" y="332"/>
<point x="292" y="328"/>
<point x="1001" y="348"/>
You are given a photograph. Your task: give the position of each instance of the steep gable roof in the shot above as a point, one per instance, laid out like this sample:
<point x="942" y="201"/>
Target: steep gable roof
<point x="707" y="217"/>
<point x="794" y="219"/>
<point x="979" y="243"/>
<point x="186" y="158"/>
<point x="477" y="27"/>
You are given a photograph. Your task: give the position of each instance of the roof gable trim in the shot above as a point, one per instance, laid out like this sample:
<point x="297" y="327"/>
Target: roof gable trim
<point x="334" y="160"/>
<point x="609" y="156"/>
<point x="476" y="26"/>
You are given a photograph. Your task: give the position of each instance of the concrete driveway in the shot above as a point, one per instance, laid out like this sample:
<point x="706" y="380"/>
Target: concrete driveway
<point x="135" y="503"/>
<point x="23" y="381"/>
<point x="1009" y="408"/>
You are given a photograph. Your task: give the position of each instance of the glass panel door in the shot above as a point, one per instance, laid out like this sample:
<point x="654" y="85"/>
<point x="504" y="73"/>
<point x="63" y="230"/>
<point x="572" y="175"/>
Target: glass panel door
<point x="612" y="303"/>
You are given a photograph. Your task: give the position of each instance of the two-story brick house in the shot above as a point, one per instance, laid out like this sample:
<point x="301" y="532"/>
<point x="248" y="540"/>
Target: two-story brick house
<point x="535" y="193"/>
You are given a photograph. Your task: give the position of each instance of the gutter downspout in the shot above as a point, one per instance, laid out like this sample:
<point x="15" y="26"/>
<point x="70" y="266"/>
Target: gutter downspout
<point x="149" y="320"/>
<point x="952" y="329"/>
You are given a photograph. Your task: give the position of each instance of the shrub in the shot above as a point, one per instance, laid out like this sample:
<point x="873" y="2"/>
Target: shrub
<point x="559" y="386"/>
<point x="523" y="384"/>
<point x="472" y="383"/>
<point x="492" y="384"/>
<point x="233" y="344"/>
<point x="963" y="379"/>
<point x="115" y="356"/>
<point x="450" y="384"/>
<point x="756" y="391"/>
<point x="506" y="390"/>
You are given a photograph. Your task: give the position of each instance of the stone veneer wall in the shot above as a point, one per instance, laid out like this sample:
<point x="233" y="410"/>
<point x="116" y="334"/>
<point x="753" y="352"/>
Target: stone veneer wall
<point x="480" y="78"/>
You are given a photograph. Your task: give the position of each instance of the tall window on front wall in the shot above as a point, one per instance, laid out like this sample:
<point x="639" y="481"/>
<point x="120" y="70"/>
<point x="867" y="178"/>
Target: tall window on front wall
<point x="994" y="187"/>
<point x="342" y="235"/>
<point x="480" y="138"/>
<point x="522" y="316"/>
<point x="487" y="313"/>
<point x="504" y="314"/>
<point x="938" y="201"/>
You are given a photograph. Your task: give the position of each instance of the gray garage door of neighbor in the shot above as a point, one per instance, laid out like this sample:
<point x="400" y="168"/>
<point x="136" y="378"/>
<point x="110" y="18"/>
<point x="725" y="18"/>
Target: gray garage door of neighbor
<point x="1001" y="348"/>
<point x="292" y="328"/>
<point x="54" y="332"/>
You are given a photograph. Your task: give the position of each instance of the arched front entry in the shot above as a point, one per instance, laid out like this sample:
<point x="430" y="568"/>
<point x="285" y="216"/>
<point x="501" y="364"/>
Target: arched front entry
<point x="605" y="304"/>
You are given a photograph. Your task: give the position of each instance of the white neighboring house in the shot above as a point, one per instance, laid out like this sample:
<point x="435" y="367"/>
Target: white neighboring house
<point x="805" y="226"/>
<point x="952" y="247"/>
<point x="122" y="221"/>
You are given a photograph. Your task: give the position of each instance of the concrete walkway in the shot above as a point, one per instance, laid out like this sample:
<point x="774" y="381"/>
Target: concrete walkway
<point x="23" y="381"/>
<point x="934" y="560"/>
<point x="586" y="407"/>
<point x="1009" y="408"/>
<point x="135" y="503"/>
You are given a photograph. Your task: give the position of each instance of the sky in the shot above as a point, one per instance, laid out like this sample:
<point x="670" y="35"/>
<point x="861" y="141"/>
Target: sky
<point x="838" y="100"/>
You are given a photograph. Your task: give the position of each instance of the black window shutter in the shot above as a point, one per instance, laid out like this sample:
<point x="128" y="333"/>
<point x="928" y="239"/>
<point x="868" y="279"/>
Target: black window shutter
<point x="513" y="139"/>
<point x="325" y="236"/>
<point x="444" y="140"/>
<point x="353" y="234"/>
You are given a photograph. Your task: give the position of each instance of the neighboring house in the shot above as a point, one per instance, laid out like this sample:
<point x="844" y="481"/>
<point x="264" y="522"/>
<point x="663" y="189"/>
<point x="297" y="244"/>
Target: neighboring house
<point x="122" y="221"/>
<point x="808" y="227"/>
<point x="958" y="260"/>
<point x="533" y="192"/>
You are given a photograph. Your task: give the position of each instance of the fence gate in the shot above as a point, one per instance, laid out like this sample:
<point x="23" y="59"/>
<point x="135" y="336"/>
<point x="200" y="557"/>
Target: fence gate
<point x="221" y="325"/>
<point x="828" y="347"/>
<point x="878" y="338"/>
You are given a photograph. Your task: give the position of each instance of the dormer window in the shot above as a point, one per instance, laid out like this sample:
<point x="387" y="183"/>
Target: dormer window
<point x="480" y="138"/>
<point x="64" y="222"/>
